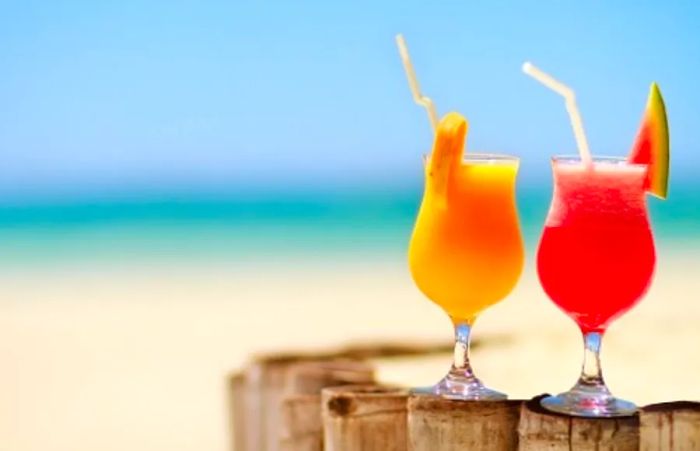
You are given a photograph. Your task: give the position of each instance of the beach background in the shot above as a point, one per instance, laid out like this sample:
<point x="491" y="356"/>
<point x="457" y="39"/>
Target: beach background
<point x="183" y="184"/>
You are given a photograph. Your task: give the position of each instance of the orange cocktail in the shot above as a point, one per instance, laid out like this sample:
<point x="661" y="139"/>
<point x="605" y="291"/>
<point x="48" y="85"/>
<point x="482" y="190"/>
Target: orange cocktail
<point x="468" y="256"/>
<point x="466" y="252"/>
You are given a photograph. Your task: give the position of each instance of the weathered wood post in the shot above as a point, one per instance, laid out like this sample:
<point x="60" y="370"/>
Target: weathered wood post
<point x="671" y="426"/>
<point x="435" y="423"/>
<point x="239" y="410"/>
<point x="301" y="427"/>
<point x="540" y="429"/>
<point x="364" y="418"/>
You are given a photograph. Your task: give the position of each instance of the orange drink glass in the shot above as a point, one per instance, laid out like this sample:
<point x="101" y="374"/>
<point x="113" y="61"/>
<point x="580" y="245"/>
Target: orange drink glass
<point x="466" y="251"/>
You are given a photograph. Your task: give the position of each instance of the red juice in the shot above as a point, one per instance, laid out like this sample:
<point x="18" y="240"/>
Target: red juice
<point x="596" y="256"/>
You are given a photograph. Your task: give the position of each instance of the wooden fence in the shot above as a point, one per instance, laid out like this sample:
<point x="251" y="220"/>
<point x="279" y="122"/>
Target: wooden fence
<point x="332" y="402"/>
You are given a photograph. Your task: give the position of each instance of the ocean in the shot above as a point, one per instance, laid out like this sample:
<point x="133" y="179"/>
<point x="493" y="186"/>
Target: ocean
<point x="261" y="225"/>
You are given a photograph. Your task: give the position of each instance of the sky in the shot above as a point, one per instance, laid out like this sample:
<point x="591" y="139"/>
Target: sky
<point x="165" y="96"/>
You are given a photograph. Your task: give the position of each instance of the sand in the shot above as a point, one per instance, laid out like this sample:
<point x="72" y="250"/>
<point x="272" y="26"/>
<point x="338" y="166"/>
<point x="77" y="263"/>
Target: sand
<point x="94" y="357"/>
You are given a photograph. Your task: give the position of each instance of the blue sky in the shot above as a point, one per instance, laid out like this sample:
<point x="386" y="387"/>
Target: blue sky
<point x="104" y="97"/>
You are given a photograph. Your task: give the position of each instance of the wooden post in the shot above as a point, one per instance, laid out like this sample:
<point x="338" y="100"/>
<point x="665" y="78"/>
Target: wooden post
<point x="364" y="418"/>
<point x="237" y="400"/>
<point x="672" y="426"/>
<point x="540" y="429"/>
<point x="265" y="383"/>
<point x="438" y="423"/>
<point x="301" y="427"/>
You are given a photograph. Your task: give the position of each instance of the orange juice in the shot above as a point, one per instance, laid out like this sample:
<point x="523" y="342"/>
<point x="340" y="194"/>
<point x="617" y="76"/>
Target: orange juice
<point x="466" y="252"/>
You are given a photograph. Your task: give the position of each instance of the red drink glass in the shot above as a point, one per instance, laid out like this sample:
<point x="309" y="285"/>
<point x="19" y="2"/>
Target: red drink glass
<point x="595" y="261"/>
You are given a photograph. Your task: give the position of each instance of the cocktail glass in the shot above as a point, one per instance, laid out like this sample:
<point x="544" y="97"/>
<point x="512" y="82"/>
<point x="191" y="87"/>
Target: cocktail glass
<point x="595" y="261"/>
<point x="466" y="254"/>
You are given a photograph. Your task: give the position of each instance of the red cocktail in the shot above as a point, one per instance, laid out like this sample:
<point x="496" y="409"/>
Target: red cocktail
<point x="595" y="261"/>
<point x="596" y="256"/>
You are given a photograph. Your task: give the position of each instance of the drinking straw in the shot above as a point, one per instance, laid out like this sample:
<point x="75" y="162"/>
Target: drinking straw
<point x="413" y="82"/>
<point x="569" y="101"/>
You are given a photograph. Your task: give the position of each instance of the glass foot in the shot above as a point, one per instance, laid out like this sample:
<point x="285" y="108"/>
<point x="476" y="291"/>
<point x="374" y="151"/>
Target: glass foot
<point x="465" y="390"/>
<point x="581" y="403"/>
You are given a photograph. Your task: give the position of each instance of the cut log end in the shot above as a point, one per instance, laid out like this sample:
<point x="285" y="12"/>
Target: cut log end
<point x="352" y="400"/>
<point x="435" y="403"/>
<point x="675" y="406"/>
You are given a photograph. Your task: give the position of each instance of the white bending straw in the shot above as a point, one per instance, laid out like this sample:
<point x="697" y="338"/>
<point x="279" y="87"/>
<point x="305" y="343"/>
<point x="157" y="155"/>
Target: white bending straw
<point x="570" y="102"/>
<point x="413" y="83"/>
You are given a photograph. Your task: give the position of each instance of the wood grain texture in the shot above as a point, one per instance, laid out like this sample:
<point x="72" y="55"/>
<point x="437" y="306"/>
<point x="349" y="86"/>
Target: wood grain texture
<point x="364" y="418"/>
<point x="672" y="426"/>
<point x="540" y="429"/>
<point x="301" y="428"/>
<point x="436" y="423"/>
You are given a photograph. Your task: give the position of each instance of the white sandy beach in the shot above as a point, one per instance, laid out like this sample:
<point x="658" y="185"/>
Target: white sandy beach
<point x="117" y="358"/>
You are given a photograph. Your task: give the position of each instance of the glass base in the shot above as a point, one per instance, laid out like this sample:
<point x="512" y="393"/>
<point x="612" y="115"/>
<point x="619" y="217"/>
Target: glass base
<point x="465" y="390"/>
<point x="582" y="402"/>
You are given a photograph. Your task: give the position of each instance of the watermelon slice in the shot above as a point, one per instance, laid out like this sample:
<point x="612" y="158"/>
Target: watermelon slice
<point x="652" y="144"/>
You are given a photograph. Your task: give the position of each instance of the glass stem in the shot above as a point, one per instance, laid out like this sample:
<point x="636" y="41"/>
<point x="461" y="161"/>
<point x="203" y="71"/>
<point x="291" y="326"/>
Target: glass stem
<point x="591" y="372"/>
<point x="461" y="367"/>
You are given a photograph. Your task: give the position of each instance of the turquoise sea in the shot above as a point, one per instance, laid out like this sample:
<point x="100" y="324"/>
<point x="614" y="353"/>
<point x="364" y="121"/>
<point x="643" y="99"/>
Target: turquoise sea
<point x="260" y="225"/>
